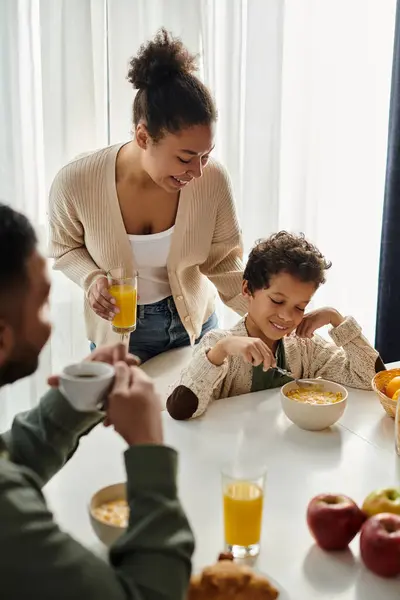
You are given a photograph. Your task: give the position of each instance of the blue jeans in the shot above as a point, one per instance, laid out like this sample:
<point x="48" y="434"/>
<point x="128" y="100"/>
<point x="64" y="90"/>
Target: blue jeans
<point x="159" y="328"/>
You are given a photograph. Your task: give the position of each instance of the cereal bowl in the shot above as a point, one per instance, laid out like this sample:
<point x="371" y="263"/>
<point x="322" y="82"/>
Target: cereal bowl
<point x="105" y="518"/>
<point x="314" y="417"/>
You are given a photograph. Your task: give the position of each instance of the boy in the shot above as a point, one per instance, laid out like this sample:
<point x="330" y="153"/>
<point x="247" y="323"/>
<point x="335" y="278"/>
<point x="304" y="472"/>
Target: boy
<point x="280" y="279"/>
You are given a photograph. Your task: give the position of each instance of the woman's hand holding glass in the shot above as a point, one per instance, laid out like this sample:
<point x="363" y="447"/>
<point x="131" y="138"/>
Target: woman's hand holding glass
<point x="101" y="301"/>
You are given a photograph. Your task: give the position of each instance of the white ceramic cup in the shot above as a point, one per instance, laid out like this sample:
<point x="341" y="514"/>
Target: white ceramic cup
<point x="85" y="385"/>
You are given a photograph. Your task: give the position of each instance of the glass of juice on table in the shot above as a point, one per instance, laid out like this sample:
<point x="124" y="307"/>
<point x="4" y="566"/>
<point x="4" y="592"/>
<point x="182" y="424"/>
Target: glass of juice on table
<point x="123" y="287"/>
<point x="243" y="500"/>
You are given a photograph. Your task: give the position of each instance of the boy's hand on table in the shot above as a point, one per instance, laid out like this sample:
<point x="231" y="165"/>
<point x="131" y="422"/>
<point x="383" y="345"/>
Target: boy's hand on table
<point x="316" y="319"/>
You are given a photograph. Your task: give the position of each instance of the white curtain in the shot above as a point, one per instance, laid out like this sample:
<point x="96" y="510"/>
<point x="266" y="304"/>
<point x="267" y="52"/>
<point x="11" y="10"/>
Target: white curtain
<point x="335" y="104"/>
<point x="302" y="89"/>
<point x="53" y="105"/>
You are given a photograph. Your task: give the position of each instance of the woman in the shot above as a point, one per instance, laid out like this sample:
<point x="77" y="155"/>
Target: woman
<point x="158" y="205"/>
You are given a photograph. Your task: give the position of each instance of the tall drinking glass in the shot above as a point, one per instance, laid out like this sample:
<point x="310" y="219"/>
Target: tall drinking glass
<point x="123" y="287"/>
<point x="243" y="500"/>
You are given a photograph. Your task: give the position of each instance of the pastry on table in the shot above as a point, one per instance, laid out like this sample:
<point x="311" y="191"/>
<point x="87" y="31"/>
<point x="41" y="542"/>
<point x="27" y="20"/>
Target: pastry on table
<point x="227" y="580"/>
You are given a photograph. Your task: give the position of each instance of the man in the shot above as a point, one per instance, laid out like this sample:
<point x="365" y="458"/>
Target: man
<point x="37" y="560"/>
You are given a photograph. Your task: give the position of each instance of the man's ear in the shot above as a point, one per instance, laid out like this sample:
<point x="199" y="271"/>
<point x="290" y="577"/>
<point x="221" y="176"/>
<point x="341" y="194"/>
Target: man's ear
<point x="245" y="289"/>
<point x="7" y="340"/>
<point x="142" y="136"/>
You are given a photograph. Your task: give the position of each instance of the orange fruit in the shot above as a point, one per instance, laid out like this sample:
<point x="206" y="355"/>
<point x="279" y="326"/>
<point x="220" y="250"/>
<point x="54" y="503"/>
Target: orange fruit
<point x="396" y="395"/>
<point x="392" y="387"/>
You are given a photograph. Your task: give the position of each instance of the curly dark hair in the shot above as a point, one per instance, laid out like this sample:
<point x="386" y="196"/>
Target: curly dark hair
<point x="284" y="252"/>
<point x="17" y="242"/>
<point x="170" y="97"/>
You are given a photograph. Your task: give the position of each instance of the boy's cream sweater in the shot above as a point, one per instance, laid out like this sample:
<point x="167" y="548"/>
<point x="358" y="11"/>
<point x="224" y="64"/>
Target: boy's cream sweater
<point x="349" y="360"/>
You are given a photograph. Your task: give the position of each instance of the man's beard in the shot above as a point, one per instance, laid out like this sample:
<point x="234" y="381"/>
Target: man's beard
<point x="18" y="367"/>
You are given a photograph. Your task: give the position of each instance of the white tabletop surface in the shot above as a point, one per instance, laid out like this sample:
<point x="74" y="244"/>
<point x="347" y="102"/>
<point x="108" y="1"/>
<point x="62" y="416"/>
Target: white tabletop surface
<point x="354" y="457"/>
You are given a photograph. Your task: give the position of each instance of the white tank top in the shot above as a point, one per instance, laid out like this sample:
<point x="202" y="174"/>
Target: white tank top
<point x="151" y="255"/>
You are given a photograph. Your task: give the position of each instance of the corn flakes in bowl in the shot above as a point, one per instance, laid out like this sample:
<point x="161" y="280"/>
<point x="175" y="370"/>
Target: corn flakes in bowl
<point x="109" y="513"/>
<point x="314" y="407"/>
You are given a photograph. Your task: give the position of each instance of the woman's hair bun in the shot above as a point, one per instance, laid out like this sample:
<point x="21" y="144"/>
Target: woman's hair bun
<point x="159" y="60"/>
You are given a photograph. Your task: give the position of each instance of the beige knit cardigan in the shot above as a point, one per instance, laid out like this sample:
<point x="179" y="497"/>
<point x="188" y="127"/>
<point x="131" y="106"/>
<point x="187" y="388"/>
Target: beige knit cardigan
<point x="88" y="238"/>
<point x="349" y="359"/>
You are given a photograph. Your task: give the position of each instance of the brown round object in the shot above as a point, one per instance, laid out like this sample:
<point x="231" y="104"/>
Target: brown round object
<point x="225" y="556"/>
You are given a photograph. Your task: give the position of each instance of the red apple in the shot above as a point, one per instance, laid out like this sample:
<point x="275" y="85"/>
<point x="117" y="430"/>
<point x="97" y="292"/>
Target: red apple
<point x="380" y="544"/>
<point x="334" y="520"/>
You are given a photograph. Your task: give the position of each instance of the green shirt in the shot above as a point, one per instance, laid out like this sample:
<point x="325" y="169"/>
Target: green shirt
<point x="267" y="380"/>
<point x="151" y="561"/>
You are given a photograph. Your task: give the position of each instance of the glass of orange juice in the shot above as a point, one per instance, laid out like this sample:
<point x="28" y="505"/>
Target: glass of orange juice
<point x="243" y="499"/>
<point x="123" y="287"/>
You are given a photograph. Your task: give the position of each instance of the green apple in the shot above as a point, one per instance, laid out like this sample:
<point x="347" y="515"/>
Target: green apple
<point x="382" y="501"/>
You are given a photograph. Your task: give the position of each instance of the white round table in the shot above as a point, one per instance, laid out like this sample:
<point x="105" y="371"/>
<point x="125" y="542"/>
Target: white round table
<point x="354" y="457"/>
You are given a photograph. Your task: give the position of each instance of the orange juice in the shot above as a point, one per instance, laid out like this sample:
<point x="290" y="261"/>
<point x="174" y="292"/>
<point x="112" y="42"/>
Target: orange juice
<point x="243" y="505"/>
<point x="125" y="297"/>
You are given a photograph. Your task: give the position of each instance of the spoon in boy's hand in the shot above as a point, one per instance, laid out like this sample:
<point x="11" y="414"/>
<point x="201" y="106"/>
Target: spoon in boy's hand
<point x="300" y="382"/>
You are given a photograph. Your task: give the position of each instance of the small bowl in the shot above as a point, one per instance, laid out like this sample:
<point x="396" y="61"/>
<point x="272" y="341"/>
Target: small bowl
<point x="106" y="532"/>
<point x="314" y="417"/>
<point x="379" y="384"/>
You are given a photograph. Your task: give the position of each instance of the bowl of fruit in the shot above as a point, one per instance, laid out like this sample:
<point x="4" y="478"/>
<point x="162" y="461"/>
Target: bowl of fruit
<point x="387" y="386"/>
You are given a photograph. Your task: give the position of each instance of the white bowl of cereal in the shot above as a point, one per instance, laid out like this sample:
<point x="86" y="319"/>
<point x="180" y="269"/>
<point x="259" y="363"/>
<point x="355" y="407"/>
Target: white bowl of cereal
<point x="109" y="513"/>
<point x="314" y="407"/>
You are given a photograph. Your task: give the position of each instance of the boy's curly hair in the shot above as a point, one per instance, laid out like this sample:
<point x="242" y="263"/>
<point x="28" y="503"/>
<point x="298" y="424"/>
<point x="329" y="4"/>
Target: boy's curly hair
<point x="284" y="252"/>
